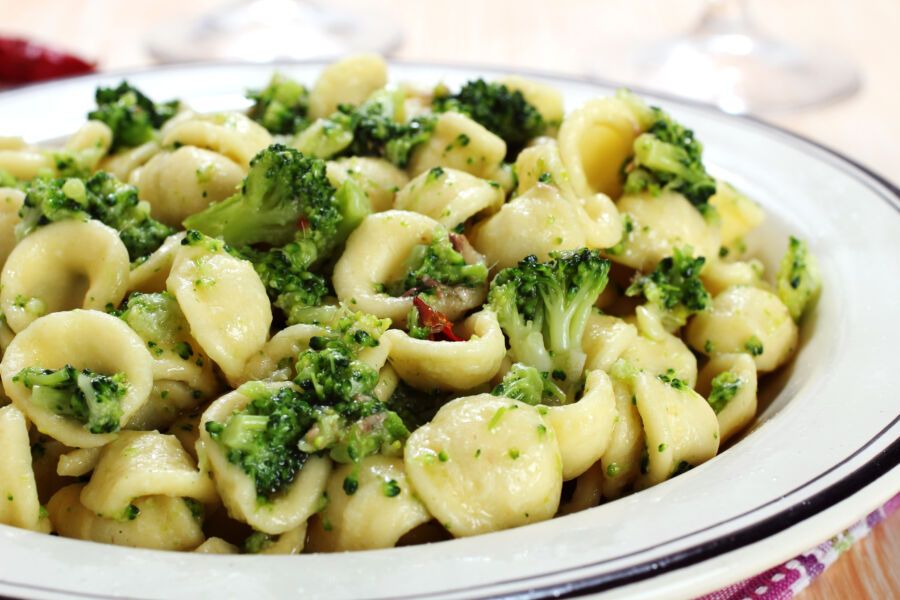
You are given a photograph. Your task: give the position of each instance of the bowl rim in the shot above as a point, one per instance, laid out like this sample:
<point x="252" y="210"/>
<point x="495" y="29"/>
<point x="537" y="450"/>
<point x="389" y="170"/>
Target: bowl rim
<point x="871" y="469"/>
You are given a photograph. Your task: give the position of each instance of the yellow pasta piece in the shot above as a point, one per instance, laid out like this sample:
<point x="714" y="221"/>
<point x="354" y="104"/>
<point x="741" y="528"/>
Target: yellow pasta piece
<point x="659" y="224"/>
<point x="375" y="254"/>
<point x="84" y="339"/>
<point x="594" y="142"/>
<point x="238" y="491"/>
<point x="161" y="522"/>
<point x="449" y="196"/>
<point x="180" y="183"/>
<point x="746" y="319"/>
<point x="583" y="429"/>
<point x="741" y="407"/>
<point x="143" y="463"/>
<point x="460" y="143"/>
<point x="231" y="134"/>
<point x="348" y="81"/>
<point x="19" y="505"/>
<point x="378" y="178"/>
<point x="224" y="302"/>
<point x="383" y="508"/>
<point x="485" y="463"/>
<point x="446" y="365"/>
<point x="43" y="275"/>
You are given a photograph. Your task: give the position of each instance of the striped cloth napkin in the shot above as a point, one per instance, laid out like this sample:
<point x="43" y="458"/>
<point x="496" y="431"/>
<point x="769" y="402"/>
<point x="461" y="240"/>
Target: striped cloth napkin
<point x="786" y="581"/>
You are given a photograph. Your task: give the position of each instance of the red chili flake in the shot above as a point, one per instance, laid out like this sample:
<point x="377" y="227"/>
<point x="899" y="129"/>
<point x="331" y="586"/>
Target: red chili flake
<point x="441" y="327"/>
<point x="303" y="224"/>
<point x="22" y="61"/>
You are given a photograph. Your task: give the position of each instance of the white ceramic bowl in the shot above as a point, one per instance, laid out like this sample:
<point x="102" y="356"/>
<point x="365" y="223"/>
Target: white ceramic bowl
<point x="823" y="452"/>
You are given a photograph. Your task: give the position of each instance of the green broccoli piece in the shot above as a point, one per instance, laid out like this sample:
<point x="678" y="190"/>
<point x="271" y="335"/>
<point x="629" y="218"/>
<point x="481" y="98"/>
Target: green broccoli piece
<point x="543" y="309"/>
<point x="8" y="180"/>
<point x="754" y="346"/>
<point x="724" y="386"/>
<point x="286" y="197"/>
<point x="530" y="386"/>
<point x="288" y="282"/>
<point x="668" y="156"/>
<point x="416" y="407"/>
<point x="333" y="408"/>
<point x="159" y="321"/>
<point x="414" y="326"/>
<point x="374" y="128"/>
<point x="281" y="106"/>
<point x="674" y="287"/>
<point x="429" y="266"/>
<point x="798" y="280"/>
<point x="500" y="110"/>
<point x="132" y="116"/>
<point x="89" y="397"/>
<point x="263" y="438"/>
<point x="102" y="197"/>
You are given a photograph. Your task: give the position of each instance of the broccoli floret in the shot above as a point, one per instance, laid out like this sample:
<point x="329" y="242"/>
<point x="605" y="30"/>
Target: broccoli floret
<point x="333" y="409"/>
<point x="91" y="398"/>
<point x="543" y="309"/>
<point x="285" y="275"/>
<point x="500" y="110"/>
<point x="416" y="407"/>
<point x="8" y="180"/>
<point x="530" y="386"/>
<point x="724" y="386"/>
<point x="285" y="196"/>
<point x="374" y="128"/>
<point x="798" y="279"/>
<point x="132" y="116"/>
<point x="414" y="325"/>
<point x="158" y="319"/>
<point x="102" y="197"/>
<point x="754" y="346"/>
<point x="668" y="156"/>
<point x="429" y="266"/>
<point x="281" y="106"/>
<point x="674" y="288"/>
<point x="263" y="438"/>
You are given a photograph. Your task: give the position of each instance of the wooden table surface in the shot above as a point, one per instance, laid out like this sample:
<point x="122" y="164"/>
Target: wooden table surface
<point x="575" y="37"/>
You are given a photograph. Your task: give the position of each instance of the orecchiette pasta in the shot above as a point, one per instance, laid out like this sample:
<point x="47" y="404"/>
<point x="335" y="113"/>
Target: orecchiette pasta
<point x="658" y="224"/>
<point x="485" y="463"/>
<point x="378" y="178"/>
<point x="460" y="143"/>
<point x="85" y="339"/>
<point x="237" y="490"/>
<point x="553" y="222"/>
<point x="347" y="81"/>
<point x="594" y="142"/>
<point x="476" y="298"/>
<point x="160" y="522"/>
<point x="180" y="183"/>
<point x="583" y="429"/>
<point x="18" y="493"/>
<point x="382" y="509"/>
<point x="746" y="319"/>
<point x="458" y="366"/>
<point x="375" y="255"/>
<point x="448" y="196"/>
<point x="224" y="303"/>
<point x="232" y="135"/>
<point x="42" y="275"/>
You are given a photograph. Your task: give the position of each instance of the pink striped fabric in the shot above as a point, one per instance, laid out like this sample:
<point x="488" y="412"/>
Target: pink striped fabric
<point x="785" y="581"/>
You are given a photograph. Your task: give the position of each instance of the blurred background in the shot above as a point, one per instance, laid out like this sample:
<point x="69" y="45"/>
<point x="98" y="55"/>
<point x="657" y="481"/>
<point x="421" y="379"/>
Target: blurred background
<point x="589" y="38"/>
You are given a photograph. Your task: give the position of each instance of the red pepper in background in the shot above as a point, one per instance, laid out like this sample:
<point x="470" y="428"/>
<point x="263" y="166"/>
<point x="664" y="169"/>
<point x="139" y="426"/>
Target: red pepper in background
<point x="441" y="327"/>
<point x="22" y="61"/>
